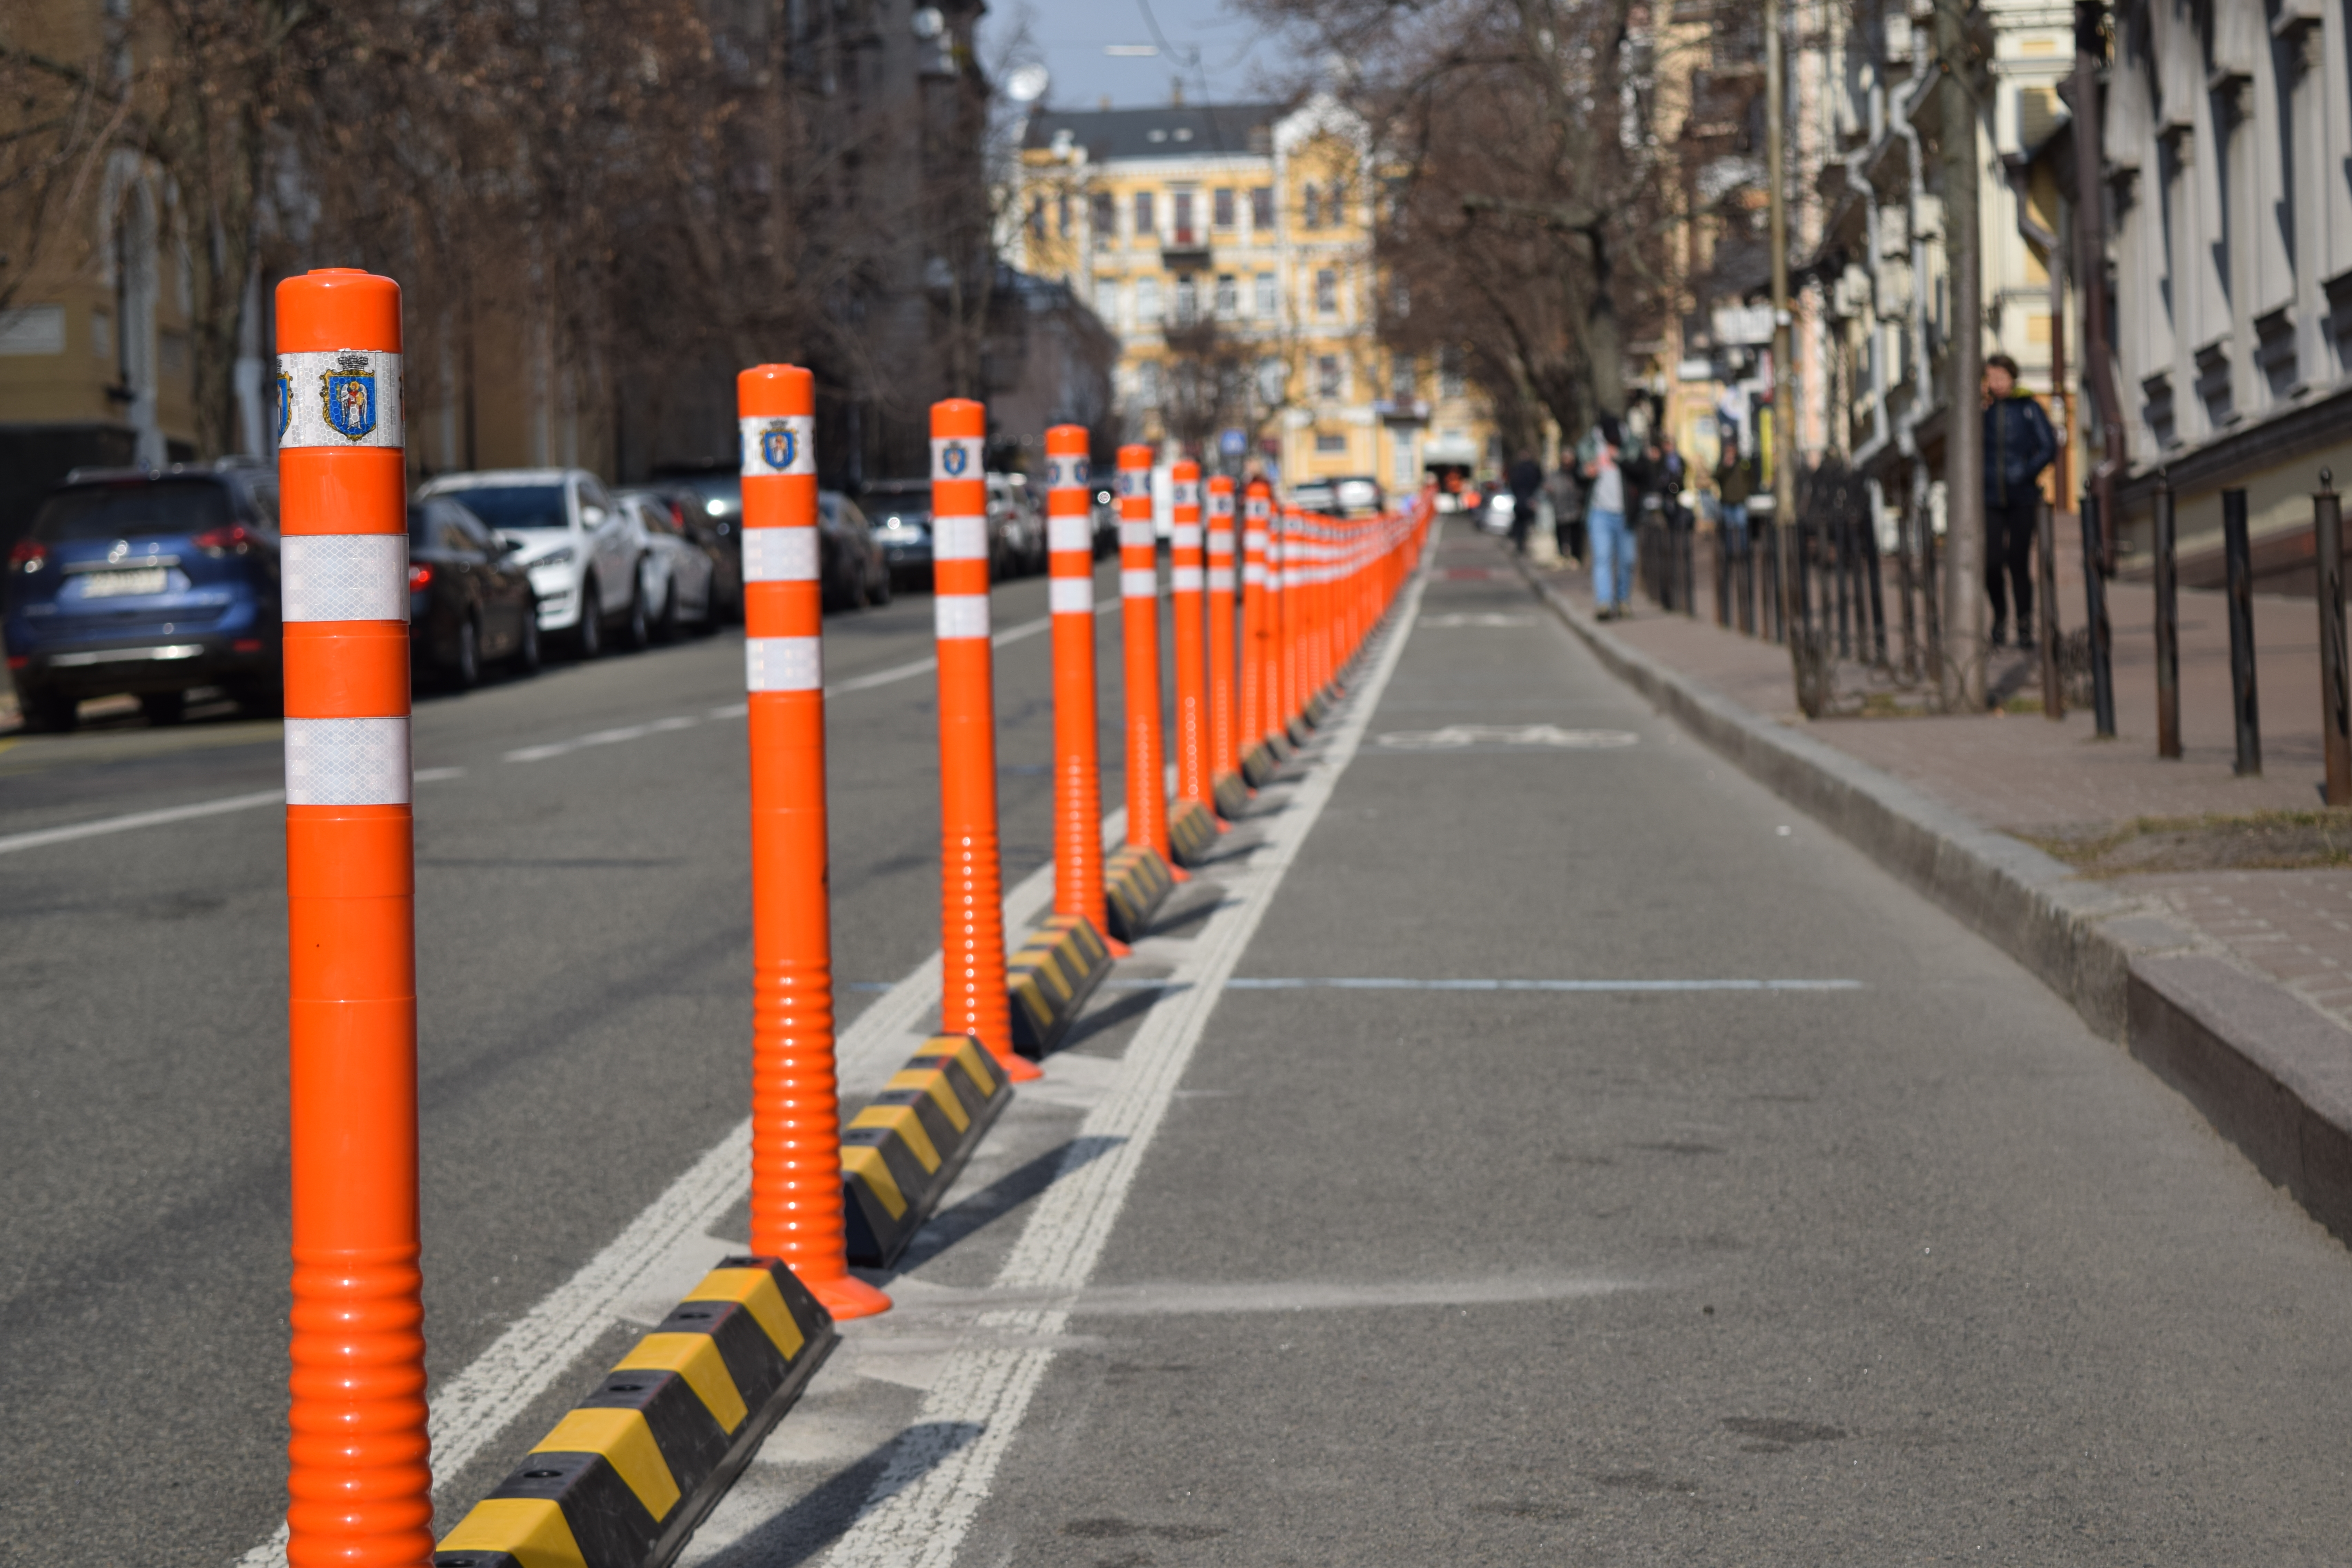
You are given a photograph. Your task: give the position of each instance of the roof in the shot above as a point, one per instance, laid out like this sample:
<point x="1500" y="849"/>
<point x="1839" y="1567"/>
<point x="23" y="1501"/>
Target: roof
<point x="1171" y="131"/>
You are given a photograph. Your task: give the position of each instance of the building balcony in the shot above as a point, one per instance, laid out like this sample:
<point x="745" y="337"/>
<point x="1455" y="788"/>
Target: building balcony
<point x="1184" y="250"/>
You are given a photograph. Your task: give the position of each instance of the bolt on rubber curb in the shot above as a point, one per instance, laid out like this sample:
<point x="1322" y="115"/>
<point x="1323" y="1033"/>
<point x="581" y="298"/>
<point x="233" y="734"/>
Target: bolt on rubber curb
<point x="625" y="1478"/>
<point x="1137" y="882"/>
<point x="1050" y="978"/>
<point x="901" y="1153"/>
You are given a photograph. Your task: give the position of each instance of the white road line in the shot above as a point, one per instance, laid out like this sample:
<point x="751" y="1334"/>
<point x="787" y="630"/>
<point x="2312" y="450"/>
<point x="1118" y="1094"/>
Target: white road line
<point x="1382" y="982"/>
<point x="33" y="840"/>
<point x="919" y="1509"/>
<point x="602" y="737"/>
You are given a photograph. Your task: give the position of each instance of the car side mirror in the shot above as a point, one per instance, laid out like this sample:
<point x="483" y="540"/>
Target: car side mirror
<point x="508" y="544"/>
<point x="591" y="516"/>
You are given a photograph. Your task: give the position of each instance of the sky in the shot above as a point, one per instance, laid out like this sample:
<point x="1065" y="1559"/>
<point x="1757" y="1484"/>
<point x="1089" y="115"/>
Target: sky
<point x="1069" y="38"/>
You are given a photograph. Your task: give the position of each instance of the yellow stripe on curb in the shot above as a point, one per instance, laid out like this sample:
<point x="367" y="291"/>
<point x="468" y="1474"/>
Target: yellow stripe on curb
<point x="530" y="1530"/>
<point x="902" y="1120"/>
<point x="867" y="1166"/>
<point x="755" y="1290"/>
<point x="626" y="1440"/>
<point x="934" y="1082"/>
<point x="694" y="1357"/>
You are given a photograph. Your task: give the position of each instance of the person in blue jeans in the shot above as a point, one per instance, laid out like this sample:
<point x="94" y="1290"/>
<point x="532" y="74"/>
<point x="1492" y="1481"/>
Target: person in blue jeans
<point x="1604" y="512"/>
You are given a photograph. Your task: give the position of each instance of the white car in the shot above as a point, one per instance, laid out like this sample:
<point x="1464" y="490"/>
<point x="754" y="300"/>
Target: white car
<point x="678" y="574"/>
<point x="588" y="557"/>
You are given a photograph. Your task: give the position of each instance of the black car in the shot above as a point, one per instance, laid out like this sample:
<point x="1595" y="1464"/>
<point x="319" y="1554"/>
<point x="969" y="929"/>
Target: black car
<point x="900" y="511"/>
<point x="468" y="602"/>
<point x="151" y="583"/>
<point x="713" y="499"/>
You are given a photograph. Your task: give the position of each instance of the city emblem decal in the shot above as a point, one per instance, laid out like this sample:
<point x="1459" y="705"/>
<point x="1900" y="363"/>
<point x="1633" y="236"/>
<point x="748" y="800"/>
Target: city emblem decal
<point x="779" y="445"/>
<point x="285" y="403"/>
<point x="953" y="460"/>
<point x="348" y="392"/>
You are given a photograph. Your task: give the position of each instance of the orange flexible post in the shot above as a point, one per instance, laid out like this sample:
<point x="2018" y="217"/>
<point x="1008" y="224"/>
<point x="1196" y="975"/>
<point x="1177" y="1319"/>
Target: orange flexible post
<point x="1224" y="756"/>
<point x="1283" y="577"/>
<point x="1271" y="673"/>
<point x="1139" y="587"/>
<point x="1077" y="761"/>
<point x="359" y="1482"/>
<point x="1185" y="583"/>
<point x="1257" y="513"/>
<point x="971" y="883"/>
<point x="796" y="1213"/>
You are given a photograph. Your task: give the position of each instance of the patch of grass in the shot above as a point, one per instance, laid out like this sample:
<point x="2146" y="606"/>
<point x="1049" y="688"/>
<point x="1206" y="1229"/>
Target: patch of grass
<point x="2261" y="840"/>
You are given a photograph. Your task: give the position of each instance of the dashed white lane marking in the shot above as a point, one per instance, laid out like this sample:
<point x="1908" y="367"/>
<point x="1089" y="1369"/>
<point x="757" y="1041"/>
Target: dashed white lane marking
<point x="170" y="814"/>
<point x="1455" y="737"/>
<point x="942" y="1469"/>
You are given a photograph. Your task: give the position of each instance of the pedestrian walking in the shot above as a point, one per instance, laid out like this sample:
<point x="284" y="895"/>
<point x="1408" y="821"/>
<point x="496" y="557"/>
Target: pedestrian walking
<point x="1525" y="479"/>
<point x="1567" y="509"/>
<point x="1604" y="518"/>
<point x="1733" y="486"/>
<point x="2018" y="445"/>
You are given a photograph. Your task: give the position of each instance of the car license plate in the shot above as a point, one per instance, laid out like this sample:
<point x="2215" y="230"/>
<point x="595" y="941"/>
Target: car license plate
<point x="124" y="585"/>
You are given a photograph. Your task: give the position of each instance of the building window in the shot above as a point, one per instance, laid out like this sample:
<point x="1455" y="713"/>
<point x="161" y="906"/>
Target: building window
<point x="1400" y="302"/>
<point x="1144" y="226"/>
<point x="1405" y="470"/>
<point x="1105" y="220"/>
<point x="1401" y="379"/>
<point x="1062" y="214"/>
<point x="1327" y="375"/>
<point x="1449" y="372"/>
<point x="1221" y="206"/>
<point x="1310" y="208"/>
<point x="1037" y="218"/>
<point x="1106" y="299"/>
<point x="1147" y="303"/>
<point x="1147" y="382"/>
<point x="1329" y="446"/>
<point x="1229" y="296"/>
<point x="1327" y="293"/>
<point x="1262" y="207"/>
<point x="1273" y="380"/>
<point x="1183" y="200"/>
<point x="1188" y="301"/>
<point x="1265" y="297"/>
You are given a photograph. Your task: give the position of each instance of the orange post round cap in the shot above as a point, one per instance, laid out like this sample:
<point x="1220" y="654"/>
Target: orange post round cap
<point x="956" y="416"/>
<point x="1221" y="484"/>
<point x="1136" y="454"/>
<point x="1068" y="441"/>
<point x="775" y="391"/>
<point x="1184" y="468"/>
<point x="338" y="308"/>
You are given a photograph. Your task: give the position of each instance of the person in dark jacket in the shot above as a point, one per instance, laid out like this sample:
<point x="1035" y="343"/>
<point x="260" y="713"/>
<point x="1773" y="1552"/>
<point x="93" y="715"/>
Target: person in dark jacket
<point x="2018" y="445"/>
<point x="1527" y="483"/>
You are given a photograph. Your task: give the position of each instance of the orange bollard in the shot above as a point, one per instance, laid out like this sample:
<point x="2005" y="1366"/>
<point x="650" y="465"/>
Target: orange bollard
<point x="971" y="884"/>
<point x="1257" y="510"/>
<point x="1139" y="587"/>
<point x="1186" y="584"/>
<point x="1077" y="761"/>
<point x="1276" y="736"/>
<point x="796" y="1214"/>
<point x="1290" y="552"/>
<point x="359" y="1481"/>
<point x="1224" y="756"/>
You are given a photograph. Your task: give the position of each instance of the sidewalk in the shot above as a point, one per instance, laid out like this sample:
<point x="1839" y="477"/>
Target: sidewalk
<point x="2222" y="877"/>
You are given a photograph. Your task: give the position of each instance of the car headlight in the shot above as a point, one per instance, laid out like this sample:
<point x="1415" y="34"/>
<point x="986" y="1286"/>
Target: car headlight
<point x="560" y="556"/>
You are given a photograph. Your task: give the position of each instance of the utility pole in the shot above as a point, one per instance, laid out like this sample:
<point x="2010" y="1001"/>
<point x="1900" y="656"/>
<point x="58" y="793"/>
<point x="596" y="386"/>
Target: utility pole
<point x="1784" y="409"/>
<point x="1964" y="602"/>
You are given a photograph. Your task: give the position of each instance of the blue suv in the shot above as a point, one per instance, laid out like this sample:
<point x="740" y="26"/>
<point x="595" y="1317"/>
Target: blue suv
<point x="150" y="583"/>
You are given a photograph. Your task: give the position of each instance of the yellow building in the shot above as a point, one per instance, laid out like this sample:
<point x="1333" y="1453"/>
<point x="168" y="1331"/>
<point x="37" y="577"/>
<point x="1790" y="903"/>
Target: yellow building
<point x="1229" y="249"/>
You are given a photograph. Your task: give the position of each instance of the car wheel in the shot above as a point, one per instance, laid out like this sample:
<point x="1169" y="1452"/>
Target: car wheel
<point x="526" y="656"/>
<point x="665" y="629"/>
<point x="638" y="630"/>
<point x="466" y="672"/>
<point x="590" y="636"/>
<point x="163" y="707"/>
<point x="49" y="713"/>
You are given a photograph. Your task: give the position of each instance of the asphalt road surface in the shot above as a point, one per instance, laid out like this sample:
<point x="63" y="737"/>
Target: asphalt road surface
<point x="1663" y="1183"/>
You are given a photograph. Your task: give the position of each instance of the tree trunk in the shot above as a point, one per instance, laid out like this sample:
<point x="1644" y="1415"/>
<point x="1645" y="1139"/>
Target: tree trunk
<point x="1964" y="617"/>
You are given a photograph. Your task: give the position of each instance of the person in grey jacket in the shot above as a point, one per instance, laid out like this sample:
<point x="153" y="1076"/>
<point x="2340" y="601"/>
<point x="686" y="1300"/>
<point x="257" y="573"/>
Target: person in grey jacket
<point x="2018" y="445"/>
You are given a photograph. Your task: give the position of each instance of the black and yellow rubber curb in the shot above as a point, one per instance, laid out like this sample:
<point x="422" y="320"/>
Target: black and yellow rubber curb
<point x="1233" y="793"/>
<point x="630" y="1471"/>
<point x="1136" y="881"/>
<point x="1258" y="765"/>
<point x="901" y="1155"/>
<point x="1300" y="729"/>
<point x="1191" y="832"/>
<point x="1050" y="977"/>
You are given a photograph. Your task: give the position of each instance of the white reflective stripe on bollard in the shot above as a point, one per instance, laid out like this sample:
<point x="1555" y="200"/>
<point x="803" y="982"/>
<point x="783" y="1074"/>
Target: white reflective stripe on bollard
<point x="959" y="539"/>
<point x="1071" y="595"/>
<point x="1141" y="583"/>
<point x="343" y="576"/>
<point x="1136" y="535"/>
<point x="779" y="554"/>
<point x="1221" y="579"/>
<point x="347" y="762"/>
<point x="1070" y="533"/>
<point x="784" y="664"/>
<point x="1253" y="539"/>
<point x="1253" y="572"/>
<point x="960" y="615"/>
<point x="341" y="397"/>
<point x="1185" y="536"/>
<point x="1185" y="579"/>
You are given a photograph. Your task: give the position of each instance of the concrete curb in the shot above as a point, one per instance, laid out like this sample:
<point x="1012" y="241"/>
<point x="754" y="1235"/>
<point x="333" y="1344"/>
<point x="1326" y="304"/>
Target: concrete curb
<point x="2268" y="1070"/>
